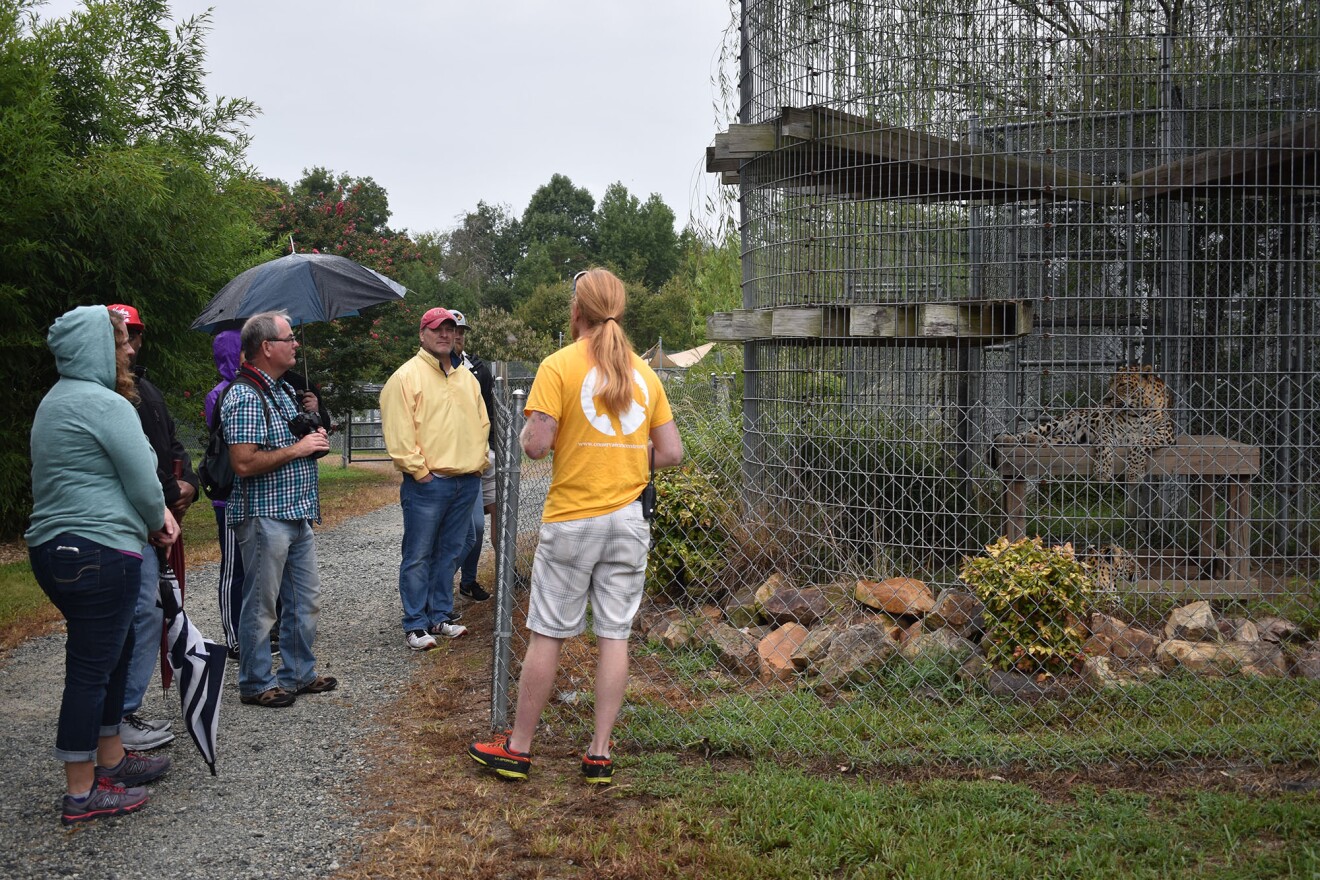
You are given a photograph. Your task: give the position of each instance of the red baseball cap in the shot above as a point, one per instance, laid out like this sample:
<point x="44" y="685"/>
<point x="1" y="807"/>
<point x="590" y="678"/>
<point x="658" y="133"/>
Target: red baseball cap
<point x="437" y="316"/>
<point x="129" y="314"/>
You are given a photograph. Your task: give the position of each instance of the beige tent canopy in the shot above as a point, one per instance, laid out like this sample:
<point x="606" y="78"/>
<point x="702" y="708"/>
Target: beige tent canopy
<point x="659" y="359"/>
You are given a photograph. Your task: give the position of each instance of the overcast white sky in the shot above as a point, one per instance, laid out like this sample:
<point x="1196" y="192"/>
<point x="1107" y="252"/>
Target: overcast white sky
<point x="448" y="102"/>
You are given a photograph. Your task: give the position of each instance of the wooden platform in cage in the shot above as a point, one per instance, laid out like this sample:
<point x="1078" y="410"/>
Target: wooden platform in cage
<point x="821" y="151"/>
<point x="1170" y="573"/>
<point x="932" y="323"/>
<point x="1216" y="464"/>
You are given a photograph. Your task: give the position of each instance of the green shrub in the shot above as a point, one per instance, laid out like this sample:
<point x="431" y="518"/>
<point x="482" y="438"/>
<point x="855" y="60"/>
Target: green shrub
<point x="1034" y="598"/>
<point x="690" y="534"/>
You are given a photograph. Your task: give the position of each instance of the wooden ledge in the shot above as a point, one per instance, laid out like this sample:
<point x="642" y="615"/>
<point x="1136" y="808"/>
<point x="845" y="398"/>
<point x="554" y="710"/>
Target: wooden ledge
<point x="1202" y="455"/>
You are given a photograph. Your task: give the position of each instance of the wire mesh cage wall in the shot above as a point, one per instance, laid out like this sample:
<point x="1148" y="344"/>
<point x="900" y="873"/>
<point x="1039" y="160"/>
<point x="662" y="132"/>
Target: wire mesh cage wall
<point x="960" y="219"/>
<point x="1020" y="270"/>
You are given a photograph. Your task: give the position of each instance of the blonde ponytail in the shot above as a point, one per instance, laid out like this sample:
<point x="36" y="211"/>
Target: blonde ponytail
<point x="601" y="300"/>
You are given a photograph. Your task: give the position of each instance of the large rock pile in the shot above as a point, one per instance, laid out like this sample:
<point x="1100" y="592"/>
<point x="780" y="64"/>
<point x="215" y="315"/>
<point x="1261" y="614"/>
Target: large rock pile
<point x="833" y="635"/>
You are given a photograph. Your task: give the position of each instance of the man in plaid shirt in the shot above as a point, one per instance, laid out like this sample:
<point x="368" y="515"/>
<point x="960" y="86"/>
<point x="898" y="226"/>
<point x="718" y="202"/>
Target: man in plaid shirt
<point x="271" y="511"/>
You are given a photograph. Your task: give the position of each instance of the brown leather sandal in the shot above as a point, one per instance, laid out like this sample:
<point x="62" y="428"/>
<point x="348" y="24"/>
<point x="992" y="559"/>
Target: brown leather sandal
<point x="320" y="685"/>
<point x="271" y="698"/>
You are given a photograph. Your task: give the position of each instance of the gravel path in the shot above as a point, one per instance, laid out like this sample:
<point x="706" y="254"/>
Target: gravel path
<point x="283" y="802"/>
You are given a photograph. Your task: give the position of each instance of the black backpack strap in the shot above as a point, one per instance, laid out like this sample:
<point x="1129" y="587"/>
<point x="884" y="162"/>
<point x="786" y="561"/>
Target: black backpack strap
<point x="261" y="393"/>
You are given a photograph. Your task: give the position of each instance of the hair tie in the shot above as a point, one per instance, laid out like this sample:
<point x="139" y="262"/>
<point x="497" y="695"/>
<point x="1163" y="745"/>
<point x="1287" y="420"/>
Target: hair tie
<point x="610" y="318"/>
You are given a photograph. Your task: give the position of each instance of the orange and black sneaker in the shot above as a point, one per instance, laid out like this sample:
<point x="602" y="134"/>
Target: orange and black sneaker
<point x="496" y="755"/>
<point x="597" y="770"/>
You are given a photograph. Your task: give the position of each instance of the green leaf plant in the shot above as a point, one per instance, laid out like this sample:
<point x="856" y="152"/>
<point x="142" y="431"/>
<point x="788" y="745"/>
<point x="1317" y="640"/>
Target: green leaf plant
<point x="1034" y="599"/>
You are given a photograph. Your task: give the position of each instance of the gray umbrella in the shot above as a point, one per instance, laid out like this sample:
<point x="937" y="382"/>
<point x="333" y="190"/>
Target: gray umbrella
<point x="309" y="287"/>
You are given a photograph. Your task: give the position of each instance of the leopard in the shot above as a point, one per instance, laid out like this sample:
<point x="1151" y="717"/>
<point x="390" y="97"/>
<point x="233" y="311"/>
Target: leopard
<point x="1109" y="566"/>
<point x="1135" y="414"/>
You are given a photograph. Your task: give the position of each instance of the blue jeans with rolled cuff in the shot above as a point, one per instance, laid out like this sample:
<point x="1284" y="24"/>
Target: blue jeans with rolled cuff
<point x="96" y="589"/>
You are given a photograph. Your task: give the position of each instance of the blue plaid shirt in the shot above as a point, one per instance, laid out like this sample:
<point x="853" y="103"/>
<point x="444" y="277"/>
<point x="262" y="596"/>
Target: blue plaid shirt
<point x="288" y="492"/>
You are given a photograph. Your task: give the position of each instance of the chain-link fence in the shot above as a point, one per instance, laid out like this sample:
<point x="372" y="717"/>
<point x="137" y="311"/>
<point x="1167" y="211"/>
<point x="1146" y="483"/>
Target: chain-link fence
<point x="1016" y="276"/>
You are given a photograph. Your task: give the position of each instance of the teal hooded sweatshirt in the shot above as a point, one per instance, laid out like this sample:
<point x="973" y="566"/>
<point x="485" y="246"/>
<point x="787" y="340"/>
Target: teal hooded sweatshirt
<point x="93" y="471"/>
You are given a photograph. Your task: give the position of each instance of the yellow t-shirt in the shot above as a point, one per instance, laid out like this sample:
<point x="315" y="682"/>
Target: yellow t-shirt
<point x="600" y="461"/>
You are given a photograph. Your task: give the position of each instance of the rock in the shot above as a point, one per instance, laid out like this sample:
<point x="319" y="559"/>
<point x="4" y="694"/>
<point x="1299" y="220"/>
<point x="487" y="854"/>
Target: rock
<point x="1306" y="662"/>
<point x="1192" y="623"/>
<point x="776" y="652"/>
<point x="974" y="669"/>
<point x="1101" y="673"/>
<point x="1238" y="629"/>
<point x="1105" y="627"/>
<point x="1104" y="673"/>
<point x="959" y="611"/>
<point x="1116" y="638"/>
<point x="1134" y="643"/>
<point x="898" y="596"/>
<point x="673" y="634"/>
<point x="856" y="654"/>
<point x="806" y="606"/>
<point x="943" y="647"/>
<point x="711" y="612"/>
<point x="813" y="647"/>
<point x="742" y="609"/>
<point x="736" y="650"/>
<point x="1026" y="687"/>
<point x="1260" y="659"/>
<point x="772" y="585"/>
<point x="1279" y="630"/>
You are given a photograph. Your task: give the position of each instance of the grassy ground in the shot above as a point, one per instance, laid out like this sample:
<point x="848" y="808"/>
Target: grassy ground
<point x="345" y="493"/>
<point x="715" y="807"/>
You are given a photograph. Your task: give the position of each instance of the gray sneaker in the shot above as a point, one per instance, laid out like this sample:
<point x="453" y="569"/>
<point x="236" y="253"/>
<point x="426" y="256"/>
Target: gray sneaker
<point x="448" y="630"/>
<point x="135" y="769"/>
<point x="137" y="720"/>
<point x="106" y="799"/>
<point x="143" y="736"/>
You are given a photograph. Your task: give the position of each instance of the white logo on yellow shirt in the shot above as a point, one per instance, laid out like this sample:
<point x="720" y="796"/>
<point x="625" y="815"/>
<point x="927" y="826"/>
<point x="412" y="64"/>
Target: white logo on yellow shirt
<point x="630" y="421"/>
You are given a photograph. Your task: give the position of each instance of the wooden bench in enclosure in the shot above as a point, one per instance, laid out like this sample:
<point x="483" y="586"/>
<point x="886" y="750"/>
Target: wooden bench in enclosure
<point x="1213" y="462"/>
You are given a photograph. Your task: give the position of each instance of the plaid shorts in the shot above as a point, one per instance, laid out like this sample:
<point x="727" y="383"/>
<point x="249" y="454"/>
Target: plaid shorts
<point x="602" y="558"/>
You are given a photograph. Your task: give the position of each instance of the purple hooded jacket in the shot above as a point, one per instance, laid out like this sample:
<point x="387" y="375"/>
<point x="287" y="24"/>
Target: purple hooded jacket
<point x="227" y="348"/>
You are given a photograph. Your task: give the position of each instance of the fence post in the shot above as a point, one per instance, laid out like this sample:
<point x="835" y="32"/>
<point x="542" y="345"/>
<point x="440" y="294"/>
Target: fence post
<point x="508" y="476"/>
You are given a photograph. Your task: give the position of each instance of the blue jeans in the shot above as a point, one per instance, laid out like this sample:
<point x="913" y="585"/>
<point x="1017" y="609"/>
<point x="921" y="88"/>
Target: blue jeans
<point x="279" y="563"/>
<point x="436" y="518"/>
<point x="148" y="620"/>
<point x="96" y="589"/>
<point x="476" y="534"/>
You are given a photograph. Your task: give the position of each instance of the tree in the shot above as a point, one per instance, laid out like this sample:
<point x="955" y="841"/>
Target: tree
<point x="637" y="239"/>
<point x="344" y="215"/>
<point x="547" y="310"/>
<point x="131" y="194"/>
<point x="482" y="253"/>
<point x="557" y="235"/>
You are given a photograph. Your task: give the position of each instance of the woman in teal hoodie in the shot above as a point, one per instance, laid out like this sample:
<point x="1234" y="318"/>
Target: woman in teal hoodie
<point x="96" y="501"/>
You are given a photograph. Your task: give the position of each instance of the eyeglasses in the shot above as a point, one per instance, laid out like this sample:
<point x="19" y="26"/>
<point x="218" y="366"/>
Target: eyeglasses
<point x="289" y="338"/>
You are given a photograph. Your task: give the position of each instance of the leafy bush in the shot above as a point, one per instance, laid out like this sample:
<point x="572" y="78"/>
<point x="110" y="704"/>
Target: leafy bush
<point x="690" y="534"/>
<point x="1034" y="598"/>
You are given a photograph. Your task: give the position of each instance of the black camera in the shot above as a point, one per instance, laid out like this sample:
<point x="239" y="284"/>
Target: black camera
<point x="303" y="424"/>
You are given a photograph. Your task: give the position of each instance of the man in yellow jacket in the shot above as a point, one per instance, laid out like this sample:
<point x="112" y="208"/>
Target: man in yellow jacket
<point x="436" y="431"/>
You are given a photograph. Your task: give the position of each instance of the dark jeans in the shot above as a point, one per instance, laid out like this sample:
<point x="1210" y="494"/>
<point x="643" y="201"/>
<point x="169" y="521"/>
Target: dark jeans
<point x="96" y="589"/>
